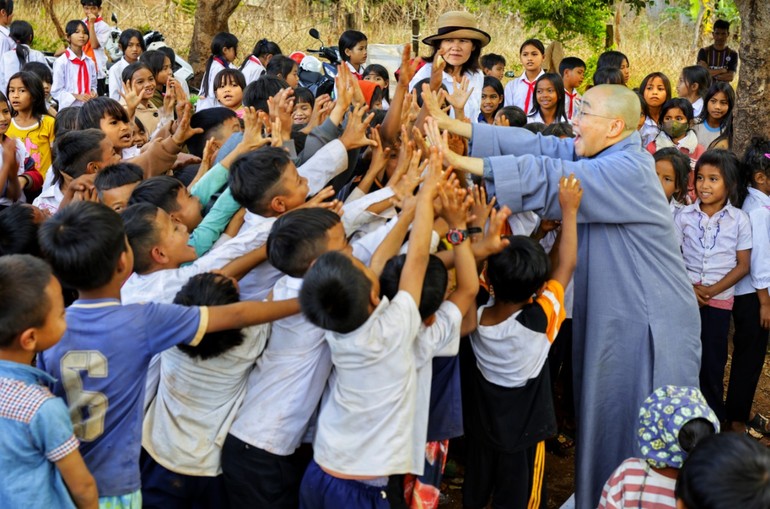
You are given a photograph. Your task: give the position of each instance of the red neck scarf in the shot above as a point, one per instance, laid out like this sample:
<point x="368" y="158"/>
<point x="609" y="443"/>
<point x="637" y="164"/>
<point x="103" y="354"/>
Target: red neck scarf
<point x="572" y="97"/>
<point x="530" y="91"/>
<point x="84" y="80"/>
<point x="88" y="49"/>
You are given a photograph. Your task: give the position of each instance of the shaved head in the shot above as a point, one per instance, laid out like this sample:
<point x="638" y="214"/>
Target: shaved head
<point x="607" y="115"/>
<point x="617" y="101"/>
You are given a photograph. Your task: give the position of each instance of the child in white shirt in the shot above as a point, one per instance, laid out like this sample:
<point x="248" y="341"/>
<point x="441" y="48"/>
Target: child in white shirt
<point x="74" y="73"/>
<point x="521" y="91"/>
<point x="131" y="43"/>
<point x="364" y="428"/>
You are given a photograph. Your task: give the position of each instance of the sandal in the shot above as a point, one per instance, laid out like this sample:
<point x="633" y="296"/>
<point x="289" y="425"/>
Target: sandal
<point x="759" y="424"/>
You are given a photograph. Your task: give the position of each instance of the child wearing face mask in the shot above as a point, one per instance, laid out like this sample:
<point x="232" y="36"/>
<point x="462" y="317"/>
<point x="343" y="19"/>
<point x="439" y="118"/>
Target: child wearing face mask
<point x="675" y="122"/>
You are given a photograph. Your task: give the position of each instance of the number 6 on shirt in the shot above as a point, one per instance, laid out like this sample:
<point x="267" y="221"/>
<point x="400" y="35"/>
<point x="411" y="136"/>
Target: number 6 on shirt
<point x="87" y="408"/>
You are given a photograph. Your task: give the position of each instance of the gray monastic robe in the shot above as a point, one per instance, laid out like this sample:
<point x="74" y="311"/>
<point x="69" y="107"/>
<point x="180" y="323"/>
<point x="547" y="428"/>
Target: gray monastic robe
<point x="636" y="322"/>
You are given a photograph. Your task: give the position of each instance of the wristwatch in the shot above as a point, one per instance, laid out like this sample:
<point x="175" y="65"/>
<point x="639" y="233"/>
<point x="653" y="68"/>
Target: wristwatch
<point x="455" y="236"/>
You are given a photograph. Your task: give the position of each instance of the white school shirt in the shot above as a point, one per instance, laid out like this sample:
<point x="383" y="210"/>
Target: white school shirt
<point x="473" y="106"/>
<point x="21" y="155"/>
<point x="210" y="99"/>
<point x="441" y="339"/>
<point x="649" y="131"/>
<point x="757" y="206"/>
<point x="186" y="424"/>
<point x="66" y="79"/>
<point x="103" y="31"/>
<point x="572" y="101"/>
<point x="50" y="199"/>
<point x="519" y="90"/>
<point x="286" y="385"/>
<point x="697" y="107"/>
<point x="253" y="70"/>
<point x="163" y="285"/>
<point x="116" y="78"/>
<point x="509" y="354"/>
<point x="709" y="244"/>
<point x="6" y="42"/>
<point x="365" y="425"/>
<point x="9" y="65"/>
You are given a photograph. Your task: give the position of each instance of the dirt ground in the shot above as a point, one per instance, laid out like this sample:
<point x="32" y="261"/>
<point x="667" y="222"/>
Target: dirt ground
<point x="560" y="471"/>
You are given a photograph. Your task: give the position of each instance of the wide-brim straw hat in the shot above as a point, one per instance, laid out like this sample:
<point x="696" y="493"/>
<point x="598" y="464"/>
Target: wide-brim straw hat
<point x="458" y="25"/>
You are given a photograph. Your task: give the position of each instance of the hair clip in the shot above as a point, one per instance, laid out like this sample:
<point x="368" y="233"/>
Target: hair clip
<point x="767" y="156"/>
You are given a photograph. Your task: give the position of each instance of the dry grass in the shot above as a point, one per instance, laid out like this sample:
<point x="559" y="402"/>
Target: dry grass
<point x="652" y="44"/>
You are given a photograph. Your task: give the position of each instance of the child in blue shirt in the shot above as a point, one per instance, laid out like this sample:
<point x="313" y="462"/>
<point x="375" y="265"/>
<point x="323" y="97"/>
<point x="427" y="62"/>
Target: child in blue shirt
<point x="38" y="449"/>
<point x="101" y="363"/>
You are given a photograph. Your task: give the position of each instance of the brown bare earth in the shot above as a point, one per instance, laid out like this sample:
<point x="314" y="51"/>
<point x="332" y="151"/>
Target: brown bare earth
<point x="560" y="471"/>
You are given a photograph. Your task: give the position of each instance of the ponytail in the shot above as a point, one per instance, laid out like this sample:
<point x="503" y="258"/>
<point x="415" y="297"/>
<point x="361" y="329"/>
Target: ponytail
<point x="22" y="33"/>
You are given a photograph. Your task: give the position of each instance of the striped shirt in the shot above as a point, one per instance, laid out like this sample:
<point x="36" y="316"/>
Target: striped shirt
<point x="636" y="484"/>
<point x="719" y="59"/>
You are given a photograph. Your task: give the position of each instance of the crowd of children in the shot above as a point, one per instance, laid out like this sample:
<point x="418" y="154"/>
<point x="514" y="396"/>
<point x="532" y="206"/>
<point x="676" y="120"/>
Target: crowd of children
<point x="258" y="300"/>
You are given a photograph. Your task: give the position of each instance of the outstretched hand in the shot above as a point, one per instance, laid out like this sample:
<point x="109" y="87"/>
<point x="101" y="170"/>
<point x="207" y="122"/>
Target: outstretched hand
<point x="183" y="130"/>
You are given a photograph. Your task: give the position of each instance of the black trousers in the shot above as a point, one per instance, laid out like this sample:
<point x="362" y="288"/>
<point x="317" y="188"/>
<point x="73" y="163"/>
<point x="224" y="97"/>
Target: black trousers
<point x="256" y="478"/>
<point x="715" y="325"/>
<point x="507" y="478"/>
<point x="749" y="349"/>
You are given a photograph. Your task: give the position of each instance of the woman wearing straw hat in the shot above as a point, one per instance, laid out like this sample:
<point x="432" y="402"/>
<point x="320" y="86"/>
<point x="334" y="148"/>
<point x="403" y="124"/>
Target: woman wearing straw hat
<point x="457" y="45"/>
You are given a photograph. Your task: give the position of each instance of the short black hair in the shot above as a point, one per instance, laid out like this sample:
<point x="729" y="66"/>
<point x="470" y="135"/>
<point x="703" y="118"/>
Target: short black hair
<point x="681" y="164"/>
<point x="209" y="120"/>
<point x="23" y="302"/>
<point x="258" y="92"/>
<point x="515" y="115"/>
<point x="559" y="129"/>
<point x="95" y="3"/>
<point x="304" y="95"/>
<point x="74" y="150"/>
<point x="570" y="63"/>
<point x="280" y="66"/>
<point x="537" y="43"/>
<point x="117" y="175"/>
<point x="83" y="242"/>
<point x="721" y="24"/>
<point x="254" y="175"/>
<point x="298" y="237"/>
<point x="140" y="223"/>
<point x="131" y="69"/>
<point x="519" y="270"/>
<point x="125" y="39"/>
<point x="489" y="60"/>
<point x="608" y="76"/>
<point x="7" y="6"/>
<point x="160" y="191"/>
<point x="154" y="59"/>
<point x="348" y="40"/>
<point x="72" y="26"/>
<point x="699" y="75"/>
<point x="535" y="127"/>
<point x="209" y="289"/>
<point x="724" y="471"/>
<point x="611" y="58"/>
<point x="18" y="230"/>
<point x="43" y="71"/>
<point x="335" y="294"/>
<point x="693" y="432"/>
<point x="92" y="112"/>
<point x="433" y="288"/>
<point x="228" y="76"/>
<point x="66" y="120"/>
<point x="729" y="167"/>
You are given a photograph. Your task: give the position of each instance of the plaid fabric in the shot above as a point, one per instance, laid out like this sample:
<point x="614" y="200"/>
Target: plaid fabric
<point x="20" y="401"/>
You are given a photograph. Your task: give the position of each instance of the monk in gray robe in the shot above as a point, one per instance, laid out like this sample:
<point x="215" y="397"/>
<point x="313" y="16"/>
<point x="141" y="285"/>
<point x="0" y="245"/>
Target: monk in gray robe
<point x="635" y="318"/>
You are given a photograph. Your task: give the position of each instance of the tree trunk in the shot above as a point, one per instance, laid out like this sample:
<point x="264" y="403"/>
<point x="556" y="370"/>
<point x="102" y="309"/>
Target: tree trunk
<point x="211" y="18"/>
<point x="752" y="109"/>
<point x="55" y="20"/>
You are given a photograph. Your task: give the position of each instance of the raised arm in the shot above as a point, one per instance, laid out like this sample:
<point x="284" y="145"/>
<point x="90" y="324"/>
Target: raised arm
<point x="570" y="194"/>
